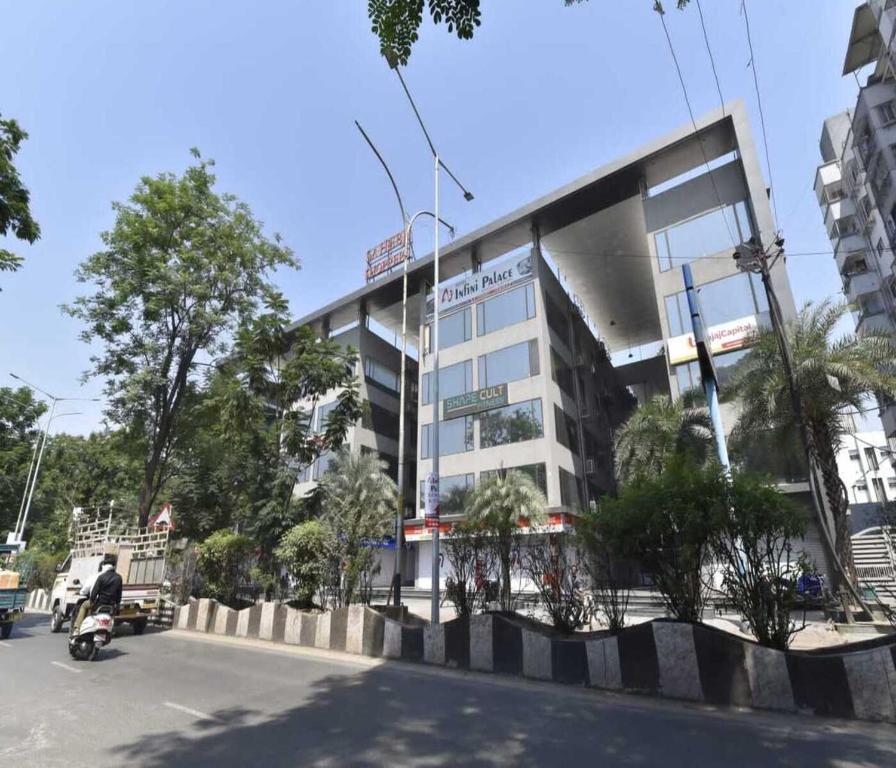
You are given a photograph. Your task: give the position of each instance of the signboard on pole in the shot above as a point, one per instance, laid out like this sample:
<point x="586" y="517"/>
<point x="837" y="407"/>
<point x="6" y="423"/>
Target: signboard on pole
<point x="431" y="503"/>
<point x="494" y="278"/>
<point x="725" y="337"/>
<point x="388" y="254"/>
<point x="474" y="402"/>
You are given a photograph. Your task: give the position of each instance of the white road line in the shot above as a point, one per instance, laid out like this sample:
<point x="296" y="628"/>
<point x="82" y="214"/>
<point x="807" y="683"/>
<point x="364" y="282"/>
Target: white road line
<point x="195" y="712"/>
<point x="5" y="645"/>
<point x="65" y="667"/>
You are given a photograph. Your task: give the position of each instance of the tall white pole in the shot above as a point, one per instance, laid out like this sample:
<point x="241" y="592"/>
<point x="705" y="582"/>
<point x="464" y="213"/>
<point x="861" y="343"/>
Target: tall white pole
<point x="399" y="518"/>
<point x="40" y="456"/>
<point x="434" y="386"/>
<point x="15" y="535"/>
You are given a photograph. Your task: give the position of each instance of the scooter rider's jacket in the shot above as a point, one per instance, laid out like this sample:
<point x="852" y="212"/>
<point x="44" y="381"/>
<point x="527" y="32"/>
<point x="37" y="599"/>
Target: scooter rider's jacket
<point x="106" y="589"/>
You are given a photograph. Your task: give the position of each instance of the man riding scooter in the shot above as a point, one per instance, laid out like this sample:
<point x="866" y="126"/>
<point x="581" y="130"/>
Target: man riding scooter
<point x="103" y="588"/>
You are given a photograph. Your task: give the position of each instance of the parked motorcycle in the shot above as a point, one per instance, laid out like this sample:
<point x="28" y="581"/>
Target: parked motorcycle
<point x="95" y="632"/>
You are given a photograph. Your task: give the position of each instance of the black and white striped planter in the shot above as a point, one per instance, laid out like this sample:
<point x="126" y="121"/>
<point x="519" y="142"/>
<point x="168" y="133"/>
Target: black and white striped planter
<point x="664" y="658"/>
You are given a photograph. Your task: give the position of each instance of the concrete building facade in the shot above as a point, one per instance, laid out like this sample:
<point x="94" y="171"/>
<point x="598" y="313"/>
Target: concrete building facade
<point x="590" y="321"/>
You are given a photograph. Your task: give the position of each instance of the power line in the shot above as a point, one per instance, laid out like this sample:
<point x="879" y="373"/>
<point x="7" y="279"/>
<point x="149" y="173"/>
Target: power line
<point x="712" y="60"/>
<point x="768" y="161"/>
<point x="658" y="7"/>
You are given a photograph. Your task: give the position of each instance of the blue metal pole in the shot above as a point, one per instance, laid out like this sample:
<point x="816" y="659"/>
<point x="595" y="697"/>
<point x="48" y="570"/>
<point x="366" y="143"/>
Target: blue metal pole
<point x="707" y="368"/>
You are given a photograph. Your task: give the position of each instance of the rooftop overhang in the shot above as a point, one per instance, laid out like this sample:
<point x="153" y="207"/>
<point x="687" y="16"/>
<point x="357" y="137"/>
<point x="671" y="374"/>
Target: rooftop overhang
<point x="864" y="40"/>
<point x="593" y="228"/>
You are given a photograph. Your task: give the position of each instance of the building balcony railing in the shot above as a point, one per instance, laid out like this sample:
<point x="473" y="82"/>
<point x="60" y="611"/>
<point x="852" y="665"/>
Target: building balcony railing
<point x="860" y="284"/>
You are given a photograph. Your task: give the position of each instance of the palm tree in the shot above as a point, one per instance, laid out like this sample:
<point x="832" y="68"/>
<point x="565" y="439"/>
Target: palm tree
<point x="497" y="507"/>
<point x="833" y="377"/>
<point x="358" y="500"/>
<point x="659" y="429"/>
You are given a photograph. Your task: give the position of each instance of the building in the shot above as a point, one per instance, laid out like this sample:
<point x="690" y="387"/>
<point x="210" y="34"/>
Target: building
<point x="559" y="317"/>
<point x="865" y="464"/>
<point x="854" y="183"/>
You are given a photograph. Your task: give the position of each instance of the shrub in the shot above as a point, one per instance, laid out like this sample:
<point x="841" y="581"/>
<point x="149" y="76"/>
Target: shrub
<point x="305" y="551"/>
<point x="666" y="523"/>
<point x="556" y="570"/>
<point x="472" y="583"/>
<point x="609" y="593"/>
<point x="223" y="561"/>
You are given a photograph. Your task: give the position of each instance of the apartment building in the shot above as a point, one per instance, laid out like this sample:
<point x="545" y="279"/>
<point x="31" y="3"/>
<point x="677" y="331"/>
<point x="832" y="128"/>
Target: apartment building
<point x="854" y="184"/>
<point x="558" y="318"/>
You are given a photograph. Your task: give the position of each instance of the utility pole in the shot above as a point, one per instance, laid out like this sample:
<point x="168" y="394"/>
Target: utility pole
<point x="752" y="257"/>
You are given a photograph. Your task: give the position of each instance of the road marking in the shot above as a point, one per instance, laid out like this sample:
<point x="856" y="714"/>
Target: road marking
<point x="195" y="712"/>
<point x="65" y="667"/>
<point x="5" y="645"/>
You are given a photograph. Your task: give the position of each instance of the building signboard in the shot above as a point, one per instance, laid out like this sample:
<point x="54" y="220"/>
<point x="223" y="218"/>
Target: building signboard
<point x="431" y="501"/>
<point x="493" y="278"/>
<point x="388" y="254"/>
<point x="474" y="402"/>
<point x="725" y="337"/>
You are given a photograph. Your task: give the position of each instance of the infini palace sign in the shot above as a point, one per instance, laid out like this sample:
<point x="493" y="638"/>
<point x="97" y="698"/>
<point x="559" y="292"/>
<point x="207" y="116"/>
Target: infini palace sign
<point x="725" y="337"/>
<point x="389" y="253"/>
<point x="474" y="402"/>
<point x="494" y="278"/>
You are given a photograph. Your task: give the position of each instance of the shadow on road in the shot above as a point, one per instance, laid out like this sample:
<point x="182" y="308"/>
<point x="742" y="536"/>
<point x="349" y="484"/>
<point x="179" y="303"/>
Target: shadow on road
<point x="29" y="625"/>
<point x="389" y="716"/>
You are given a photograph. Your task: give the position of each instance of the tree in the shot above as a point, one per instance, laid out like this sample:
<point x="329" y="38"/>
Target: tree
<point x="610" y="594"/>
<point x="305" y="551"/>
<point x="472" y="563"/>
<point x="359" y="501"/>
<point x="499" y="505"/>
<point x="19" y="415"/>
<point x="182" y="269"/>
<point x="665" y="522"/>
<point x="660" y="429"/>
<point x="833" y="376"/>
<point x="558" y="572"/>
<point x="752" y="540"/>
<point x="15" y="200"/>
<point x="223" y="561"/>
<point x="397" y="22"/>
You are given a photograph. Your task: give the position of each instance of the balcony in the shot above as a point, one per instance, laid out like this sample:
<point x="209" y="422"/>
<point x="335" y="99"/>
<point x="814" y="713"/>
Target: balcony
<point x="837" y="211"/>
<point x="860" y="284"/>
<point x="849" y="249"/>
<point x="828" y="183"/>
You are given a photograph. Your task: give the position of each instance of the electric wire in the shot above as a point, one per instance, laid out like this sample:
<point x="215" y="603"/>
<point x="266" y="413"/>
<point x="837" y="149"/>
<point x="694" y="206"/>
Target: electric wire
<point x="712" y="60"/>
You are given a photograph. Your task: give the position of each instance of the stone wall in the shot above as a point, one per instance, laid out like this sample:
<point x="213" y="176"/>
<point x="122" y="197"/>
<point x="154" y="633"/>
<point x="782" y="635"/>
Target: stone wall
<point x="664" y="658"/>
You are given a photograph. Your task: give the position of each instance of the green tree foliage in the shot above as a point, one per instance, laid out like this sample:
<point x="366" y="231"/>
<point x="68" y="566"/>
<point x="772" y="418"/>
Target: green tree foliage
<point x="183" y="268"/>
<point x="15" y="200"/>
<point x="557" y="569"/>
<point x="397" y="22"/>
<point x="609" y="590"/>
<point x="19" y="431"/>
<point x="660" y="429"/>
<point x="471" y="584"/>
<point x="305" y="550"/>
<point x="498" y="506"/>
<point x="223" y="562"/>
<point x="753" y="533"/>
<point x="359" y="501"/>
<point x="832" y="375"/>
<point x="665" y="522"/>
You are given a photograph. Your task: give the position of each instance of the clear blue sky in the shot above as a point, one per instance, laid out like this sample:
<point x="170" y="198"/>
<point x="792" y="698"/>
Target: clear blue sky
<point x="110" y="91"/>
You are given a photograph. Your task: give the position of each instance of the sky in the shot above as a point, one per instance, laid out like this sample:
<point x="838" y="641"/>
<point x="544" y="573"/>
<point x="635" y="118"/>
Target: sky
<point x="112" y="91"/>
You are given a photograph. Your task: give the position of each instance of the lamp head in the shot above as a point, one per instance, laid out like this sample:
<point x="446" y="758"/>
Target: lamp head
<point x="468" y="196"/>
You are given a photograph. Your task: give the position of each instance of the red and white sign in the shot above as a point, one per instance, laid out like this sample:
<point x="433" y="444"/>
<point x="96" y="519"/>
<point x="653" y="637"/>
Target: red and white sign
<point x="431" y="501"/>
<point x="725" y="337"/>
<point x="389" y="253"/>
<point x="163" y="519"/>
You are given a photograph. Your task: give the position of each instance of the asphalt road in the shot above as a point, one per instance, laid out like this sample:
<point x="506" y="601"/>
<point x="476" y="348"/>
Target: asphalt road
<point x="172" y="699"/>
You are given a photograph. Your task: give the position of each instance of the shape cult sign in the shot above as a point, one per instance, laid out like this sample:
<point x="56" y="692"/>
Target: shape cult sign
<point x="457" y="293"/>
<point x="389" y="253"/>
<point x="474" y="402"/>
<point x="725" y="337"/>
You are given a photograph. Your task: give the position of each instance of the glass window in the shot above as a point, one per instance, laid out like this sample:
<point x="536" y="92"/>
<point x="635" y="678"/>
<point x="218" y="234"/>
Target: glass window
<point x="556" y="318"/>
<point x="322" y="464"/>
<point x="704" y="235"/>
<point x="454" y="329"/>
<point x="720" y="301"/>
<point x="453" y="493"/>
<point x="454" y="380"/>
<point x="455" y="436"/>
<point x="537" y="472"/>
<point x="567" y="433"/>
<point x="688" y="374"/>
<point x="505" y="309"/>
<point x="380" y="374"/>
<point x="380" y="420"/>
<point x="511" y="424"/>
<point x="513" y="363"/>
<point x="871" y="456"/>
<point x="322" y="414"/>
<point x="561" y="373"/>
<point x="570" y="491"/>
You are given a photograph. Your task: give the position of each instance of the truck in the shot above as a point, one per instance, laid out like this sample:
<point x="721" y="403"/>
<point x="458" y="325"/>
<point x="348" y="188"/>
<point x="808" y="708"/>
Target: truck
<point x="12" y="608"/>
<point x="141" y="563"/>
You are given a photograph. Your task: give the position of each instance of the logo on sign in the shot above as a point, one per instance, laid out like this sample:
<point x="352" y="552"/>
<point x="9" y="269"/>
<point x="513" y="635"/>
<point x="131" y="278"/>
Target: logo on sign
<point x="475" y="402"/>
<point x="725" y="337"/>
<point x="464" y="290"/>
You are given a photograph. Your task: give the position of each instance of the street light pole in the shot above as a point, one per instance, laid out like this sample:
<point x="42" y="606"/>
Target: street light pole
<point x="40" y="456"/>
<point x="468" y="196"/>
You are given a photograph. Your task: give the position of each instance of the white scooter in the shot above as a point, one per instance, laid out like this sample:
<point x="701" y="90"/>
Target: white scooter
<point x="95" y="632"/>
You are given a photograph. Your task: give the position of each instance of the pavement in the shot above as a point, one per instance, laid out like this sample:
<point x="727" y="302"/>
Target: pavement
<point x="183" y="699"/>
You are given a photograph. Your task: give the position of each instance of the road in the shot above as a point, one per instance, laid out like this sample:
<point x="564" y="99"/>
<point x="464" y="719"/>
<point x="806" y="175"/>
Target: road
<point x="173" y="699"/>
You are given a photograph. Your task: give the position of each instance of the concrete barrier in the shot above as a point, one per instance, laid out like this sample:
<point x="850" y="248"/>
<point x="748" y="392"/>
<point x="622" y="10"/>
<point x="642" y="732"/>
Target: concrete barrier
<point x="677" y="660"/>
<point x="38" y="600"/>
